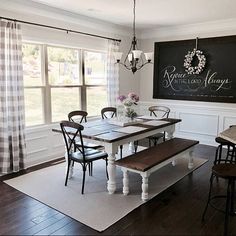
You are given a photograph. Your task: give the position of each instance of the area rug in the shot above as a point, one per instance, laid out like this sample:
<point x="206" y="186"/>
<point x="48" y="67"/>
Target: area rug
<point x="96" y="208"/>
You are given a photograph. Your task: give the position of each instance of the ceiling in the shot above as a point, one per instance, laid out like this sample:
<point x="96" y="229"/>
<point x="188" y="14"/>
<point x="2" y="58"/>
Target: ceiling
<point x="149" y="13"/>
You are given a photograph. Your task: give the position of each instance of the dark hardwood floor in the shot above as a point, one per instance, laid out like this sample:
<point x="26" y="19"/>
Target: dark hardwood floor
<point x="176" y="211"/>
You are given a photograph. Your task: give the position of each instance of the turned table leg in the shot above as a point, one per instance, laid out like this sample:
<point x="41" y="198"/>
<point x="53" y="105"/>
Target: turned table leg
<point x="125" y="181"/>
<point x="111" y="168"/>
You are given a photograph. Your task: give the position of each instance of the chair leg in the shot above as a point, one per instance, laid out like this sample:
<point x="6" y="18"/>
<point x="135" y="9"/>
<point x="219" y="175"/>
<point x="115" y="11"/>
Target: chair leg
<point x="121" y="150"/>
<point x="232" y="211"/>
<point x="227" y="209"/>
<point x="216" y="155"/>
<point x="149" y="142"/>
<point x="106" y="169"/>
<point x="135" y="146"/>
<point x="84" y="171"/>
<point x="209" y="198"/>
<point x="68" y="170"/>
<point x="155" y="141"/>
<point x="89" y="168"/>
<point x="164" y="137"/>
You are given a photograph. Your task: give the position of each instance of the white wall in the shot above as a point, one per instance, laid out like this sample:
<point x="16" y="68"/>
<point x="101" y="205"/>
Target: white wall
<point x="200" y="120"/>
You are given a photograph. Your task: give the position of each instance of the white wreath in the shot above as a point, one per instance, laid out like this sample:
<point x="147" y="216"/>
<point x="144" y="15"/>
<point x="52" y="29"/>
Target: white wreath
<point x="192" y="70"/>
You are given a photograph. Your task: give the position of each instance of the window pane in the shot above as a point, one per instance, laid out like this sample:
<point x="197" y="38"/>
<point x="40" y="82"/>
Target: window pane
<point x="95" y="68"/>
<point x="32" y="64"/>
<point x="64" y="100"/>
<point x="63" y="66"/>
<point x="34" y="106"/>
<point x="96" y="100"/>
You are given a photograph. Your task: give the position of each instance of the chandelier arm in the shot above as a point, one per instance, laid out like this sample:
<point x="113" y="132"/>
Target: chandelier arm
<point x="121" y="63"/>
<point x="139" y="67"/>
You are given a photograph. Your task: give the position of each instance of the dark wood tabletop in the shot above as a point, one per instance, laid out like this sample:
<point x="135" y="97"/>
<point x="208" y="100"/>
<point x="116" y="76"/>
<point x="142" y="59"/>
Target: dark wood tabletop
<point x="102" y="130"/>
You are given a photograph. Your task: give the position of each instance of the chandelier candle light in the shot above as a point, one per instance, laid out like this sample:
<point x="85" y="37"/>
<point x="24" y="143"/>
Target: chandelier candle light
<point x="134" y="59"/>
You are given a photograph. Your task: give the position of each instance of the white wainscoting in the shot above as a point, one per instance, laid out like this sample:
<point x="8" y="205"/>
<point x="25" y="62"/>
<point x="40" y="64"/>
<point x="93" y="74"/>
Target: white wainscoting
<point x="42" y="144"/>
<point x="200" y="121"/>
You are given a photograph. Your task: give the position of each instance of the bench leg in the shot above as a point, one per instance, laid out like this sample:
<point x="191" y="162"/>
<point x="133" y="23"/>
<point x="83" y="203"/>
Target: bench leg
<point x="125" y="181"/>
<point x="144" y="186"/>
<point x="190" y="160"/>
<point x="174" y="162"/>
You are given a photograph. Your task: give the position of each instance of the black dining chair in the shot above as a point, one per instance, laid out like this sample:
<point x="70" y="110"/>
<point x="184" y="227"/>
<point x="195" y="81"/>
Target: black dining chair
<point x="161" y="112"/>
<point x="157" y="111"/>
<point x="107" y="113"/>
<point x="84" y="156"/>
<point x="79" y="116"/>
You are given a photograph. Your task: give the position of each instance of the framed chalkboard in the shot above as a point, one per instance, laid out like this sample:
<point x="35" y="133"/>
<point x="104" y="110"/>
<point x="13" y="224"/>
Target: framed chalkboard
<point x="216" y="83"/>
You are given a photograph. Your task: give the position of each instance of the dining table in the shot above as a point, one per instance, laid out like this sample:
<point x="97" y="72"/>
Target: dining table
<point x="111" y="133"/>
<point x="229" y="134"/>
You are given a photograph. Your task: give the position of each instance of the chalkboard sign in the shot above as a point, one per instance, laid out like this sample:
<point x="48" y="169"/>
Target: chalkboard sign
<point x="216" y="83"/>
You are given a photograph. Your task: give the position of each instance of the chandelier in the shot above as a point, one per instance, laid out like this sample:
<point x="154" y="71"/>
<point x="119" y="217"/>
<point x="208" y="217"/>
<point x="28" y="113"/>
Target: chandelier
<point x="134" y="60"/>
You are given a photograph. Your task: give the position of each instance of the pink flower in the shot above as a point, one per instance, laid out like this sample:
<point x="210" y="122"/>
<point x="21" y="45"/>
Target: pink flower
<point x="133" y="97"/>
<point x="121" y="98"/>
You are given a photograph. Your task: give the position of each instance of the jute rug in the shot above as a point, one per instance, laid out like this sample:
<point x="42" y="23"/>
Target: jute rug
<point x="96" y="208"/>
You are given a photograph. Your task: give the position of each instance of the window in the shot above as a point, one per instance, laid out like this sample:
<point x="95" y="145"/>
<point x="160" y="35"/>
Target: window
<point x="95" y="68"/>
<point x="33" y="82"/>
<point x="95" y="81"/>
<point x="58" y="80"/>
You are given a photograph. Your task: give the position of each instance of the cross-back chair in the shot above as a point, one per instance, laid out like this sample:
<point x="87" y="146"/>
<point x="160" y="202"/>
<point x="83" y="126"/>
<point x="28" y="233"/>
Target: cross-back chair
<point x="110" y="112"/>
<point x="84" y="156"/>
<point x="79" y="116"/>
<point x="161" y="112"/>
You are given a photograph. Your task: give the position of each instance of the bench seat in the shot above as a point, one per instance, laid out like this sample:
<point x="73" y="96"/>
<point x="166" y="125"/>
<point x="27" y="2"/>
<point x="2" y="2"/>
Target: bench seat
<point x="151" y="159"/>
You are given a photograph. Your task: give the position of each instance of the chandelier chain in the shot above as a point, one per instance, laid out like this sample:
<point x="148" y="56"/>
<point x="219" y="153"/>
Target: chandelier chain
<point x="196" y="43"/>
<point x="134" y="18"/>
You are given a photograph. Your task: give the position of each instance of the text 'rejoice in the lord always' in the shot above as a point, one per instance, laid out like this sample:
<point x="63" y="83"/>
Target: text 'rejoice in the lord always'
<point x="180" y="82"/>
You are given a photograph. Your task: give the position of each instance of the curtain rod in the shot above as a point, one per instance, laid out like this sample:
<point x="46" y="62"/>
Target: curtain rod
<point x="58" y="28"/>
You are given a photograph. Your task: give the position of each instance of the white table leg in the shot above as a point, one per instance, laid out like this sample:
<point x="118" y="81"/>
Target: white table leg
<point x="125" y="181"/>
<point x="169" y="132"/>
<point x="144" y="186"/>
<point x="111" y="183"/>
<point x="190" y="160"/>
<point x="131" y="147"/>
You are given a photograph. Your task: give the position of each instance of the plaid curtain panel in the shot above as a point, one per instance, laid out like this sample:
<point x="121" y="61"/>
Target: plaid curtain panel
<point x="112" y="73"/>
<point x="12" y="120"/>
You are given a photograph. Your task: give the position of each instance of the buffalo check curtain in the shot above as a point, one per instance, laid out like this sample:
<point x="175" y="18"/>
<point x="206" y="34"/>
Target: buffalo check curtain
<point x="112" y="73"/>
<point x="12" y="120"/>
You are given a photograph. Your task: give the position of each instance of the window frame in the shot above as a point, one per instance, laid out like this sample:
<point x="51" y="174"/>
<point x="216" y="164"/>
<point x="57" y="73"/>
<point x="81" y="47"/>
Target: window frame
<point x="46" y="87"/>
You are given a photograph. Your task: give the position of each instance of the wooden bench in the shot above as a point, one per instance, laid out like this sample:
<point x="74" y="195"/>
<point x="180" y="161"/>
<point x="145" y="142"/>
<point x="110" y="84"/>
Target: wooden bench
<point x="152" y="159"/>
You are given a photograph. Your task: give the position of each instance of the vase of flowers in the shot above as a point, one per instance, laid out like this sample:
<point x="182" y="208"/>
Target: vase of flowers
<point x="128" y="103"/>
